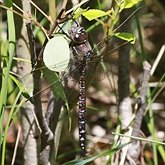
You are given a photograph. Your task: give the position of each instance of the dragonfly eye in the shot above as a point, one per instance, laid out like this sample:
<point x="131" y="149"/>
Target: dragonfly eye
<point x="80" y="36"/>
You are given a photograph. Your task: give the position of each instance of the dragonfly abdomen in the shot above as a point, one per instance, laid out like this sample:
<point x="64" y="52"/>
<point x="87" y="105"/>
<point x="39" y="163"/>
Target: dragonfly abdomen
<point x="82" y="113"/>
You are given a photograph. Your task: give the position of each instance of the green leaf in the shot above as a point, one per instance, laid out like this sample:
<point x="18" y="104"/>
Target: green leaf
<point x="94" y="14"/>
<point x="126" y="36"/>
<point x="56" y="55"/>
<point x="78" y="13"/>
<point x="129" y="3"/>
<point x="92" y="158"/>
<point x="57" y="88"/>
<point x="21" y="87"/>
<point x="55" y="83"/>
<point x="9" y="3"/>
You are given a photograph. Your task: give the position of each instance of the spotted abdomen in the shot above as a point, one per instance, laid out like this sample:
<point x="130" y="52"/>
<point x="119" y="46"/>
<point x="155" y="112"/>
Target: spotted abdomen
<point x="82" y="114"/>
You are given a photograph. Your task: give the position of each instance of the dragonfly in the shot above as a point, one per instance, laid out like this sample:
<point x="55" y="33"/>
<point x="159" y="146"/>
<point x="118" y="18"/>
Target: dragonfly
<point x="85" y="60"/>
<point x="82" y="66"/>
<point x="82" y="51"/>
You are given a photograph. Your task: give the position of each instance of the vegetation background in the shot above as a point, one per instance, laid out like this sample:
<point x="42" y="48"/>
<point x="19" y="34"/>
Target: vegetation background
<point x="19" y="133"/>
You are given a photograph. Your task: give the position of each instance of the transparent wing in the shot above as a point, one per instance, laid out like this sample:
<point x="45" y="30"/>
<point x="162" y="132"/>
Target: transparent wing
<point x="56" y="81"/>
<point x="104" y="54"/>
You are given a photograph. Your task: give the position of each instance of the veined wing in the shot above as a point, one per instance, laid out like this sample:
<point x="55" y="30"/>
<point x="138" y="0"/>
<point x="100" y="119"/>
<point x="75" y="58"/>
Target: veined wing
<point x="71" y="74"/>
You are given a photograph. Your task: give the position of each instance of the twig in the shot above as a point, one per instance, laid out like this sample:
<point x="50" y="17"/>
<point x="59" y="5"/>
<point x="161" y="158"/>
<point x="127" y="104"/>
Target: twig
<point x="49" y="111"/>
<point x="56" y="22"/>
<point x="77" y="6"/>
<point x="47" y="134"/>
<point x="139" y="138"/>
<point x="23" y="69"/>
<point x="159" y="56"/>
<point x="141" y="100"/>
<point x="41" y="11"/>
<point x="58" y="130"/>
<point x="64" y="4"/>
<point x="27" y="16"/>
<point x="16" y="145"/>
<point x="124" y="60"/>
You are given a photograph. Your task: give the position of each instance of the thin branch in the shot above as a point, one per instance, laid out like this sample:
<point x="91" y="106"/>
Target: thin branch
<point x="41" y="11"/>
<point x="25" y="16"/>
<point x="64" y="4"/>
<point x="139" y="138"/>
<point x="16" y="145"/>
<point x="47" y="134"/>
<point x="159" y="56"/>
<point x="141" y="100"/>
<point x="56" y="22"/>
<point x="58" y="130"/>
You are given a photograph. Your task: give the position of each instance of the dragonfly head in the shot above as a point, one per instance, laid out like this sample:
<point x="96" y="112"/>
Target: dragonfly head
<point x="78" y="35"/>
